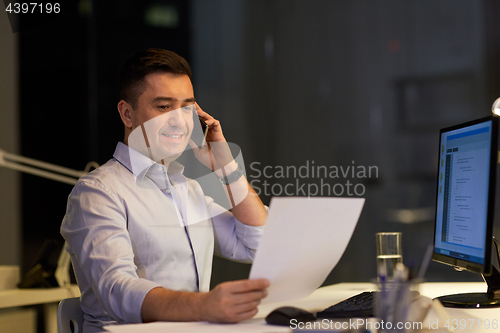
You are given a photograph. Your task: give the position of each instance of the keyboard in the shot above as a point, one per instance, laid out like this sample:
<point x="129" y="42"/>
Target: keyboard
<point x="360" y="306"/>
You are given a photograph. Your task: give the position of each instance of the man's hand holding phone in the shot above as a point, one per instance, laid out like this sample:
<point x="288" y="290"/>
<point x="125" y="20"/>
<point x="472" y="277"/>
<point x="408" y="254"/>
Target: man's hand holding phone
<point x="216" y="153"/>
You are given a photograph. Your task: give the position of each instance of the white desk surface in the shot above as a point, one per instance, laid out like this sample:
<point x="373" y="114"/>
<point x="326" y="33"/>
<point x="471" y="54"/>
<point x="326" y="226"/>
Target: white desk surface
<point x="21" y="297"/>
<point x="49" y="297"/>
<point x="326" y="296"/>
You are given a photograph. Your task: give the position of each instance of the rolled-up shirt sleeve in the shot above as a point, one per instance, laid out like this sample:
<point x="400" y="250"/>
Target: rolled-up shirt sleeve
<point x="233" y="239"/>
<point x="95" y="228"/>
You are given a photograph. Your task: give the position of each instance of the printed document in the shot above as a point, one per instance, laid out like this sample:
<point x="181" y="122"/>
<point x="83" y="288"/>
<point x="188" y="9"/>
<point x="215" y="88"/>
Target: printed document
<point x="303" y="240"/>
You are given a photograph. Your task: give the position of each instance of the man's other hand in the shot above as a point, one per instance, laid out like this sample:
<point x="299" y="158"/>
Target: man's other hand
<point x="234" y="301"/>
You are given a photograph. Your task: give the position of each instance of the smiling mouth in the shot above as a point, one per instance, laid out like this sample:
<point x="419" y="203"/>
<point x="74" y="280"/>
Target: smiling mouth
<point x="172" y="135"/>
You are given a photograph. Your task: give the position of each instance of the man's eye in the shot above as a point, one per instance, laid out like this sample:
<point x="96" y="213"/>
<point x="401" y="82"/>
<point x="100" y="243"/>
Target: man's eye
<point x="164" y="106"/>
<point x="187" y="109"/>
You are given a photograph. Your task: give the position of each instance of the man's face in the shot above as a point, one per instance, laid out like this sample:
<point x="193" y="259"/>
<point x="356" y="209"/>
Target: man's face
<point x="164" y="115"/>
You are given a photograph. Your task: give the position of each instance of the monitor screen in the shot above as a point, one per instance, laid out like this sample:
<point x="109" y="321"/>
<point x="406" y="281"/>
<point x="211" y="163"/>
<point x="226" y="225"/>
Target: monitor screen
<point x="465" y="195"/>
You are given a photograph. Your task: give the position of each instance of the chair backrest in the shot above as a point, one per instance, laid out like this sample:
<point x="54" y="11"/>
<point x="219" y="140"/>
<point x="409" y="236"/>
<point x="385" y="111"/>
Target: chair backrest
<point x="70" y="316"/>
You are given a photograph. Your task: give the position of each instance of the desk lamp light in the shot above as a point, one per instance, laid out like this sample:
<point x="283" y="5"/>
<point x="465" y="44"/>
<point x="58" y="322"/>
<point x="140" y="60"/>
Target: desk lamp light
<point x="56" y="173"/>
<point x="495" y="108"/>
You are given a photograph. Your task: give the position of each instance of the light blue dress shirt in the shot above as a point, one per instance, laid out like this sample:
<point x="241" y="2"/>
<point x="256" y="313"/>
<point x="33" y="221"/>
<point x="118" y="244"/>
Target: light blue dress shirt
<point x="131" y="227"/>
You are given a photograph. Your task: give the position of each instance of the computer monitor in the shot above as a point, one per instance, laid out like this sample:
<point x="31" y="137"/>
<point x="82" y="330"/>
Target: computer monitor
<point x="463" y="233"/>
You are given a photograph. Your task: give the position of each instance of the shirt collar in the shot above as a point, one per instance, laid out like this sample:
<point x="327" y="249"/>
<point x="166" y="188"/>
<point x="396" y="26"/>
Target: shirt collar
<point x="142" y="166"/>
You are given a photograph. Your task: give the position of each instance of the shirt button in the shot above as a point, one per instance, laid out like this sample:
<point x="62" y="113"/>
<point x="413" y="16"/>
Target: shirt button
<point x="159" y="168"/>
<point x="168" y="191"/>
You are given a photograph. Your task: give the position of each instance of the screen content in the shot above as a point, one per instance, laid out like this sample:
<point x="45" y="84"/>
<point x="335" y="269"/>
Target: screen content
<point x="462" y="196"/>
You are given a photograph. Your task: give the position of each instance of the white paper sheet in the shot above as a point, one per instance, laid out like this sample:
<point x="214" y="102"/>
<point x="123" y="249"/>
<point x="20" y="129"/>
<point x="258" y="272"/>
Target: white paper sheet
<point x="303" y="241"/>
<point x="196" y="327"/>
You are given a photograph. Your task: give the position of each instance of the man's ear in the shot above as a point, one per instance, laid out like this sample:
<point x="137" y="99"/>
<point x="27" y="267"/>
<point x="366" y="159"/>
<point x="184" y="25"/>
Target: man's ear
<point x="125" y="110"/>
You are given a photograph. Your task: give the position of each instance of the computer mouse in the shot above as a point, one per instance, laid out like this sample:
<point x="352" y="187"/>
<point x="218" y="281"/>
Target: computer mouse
<point x="283" y="315"/>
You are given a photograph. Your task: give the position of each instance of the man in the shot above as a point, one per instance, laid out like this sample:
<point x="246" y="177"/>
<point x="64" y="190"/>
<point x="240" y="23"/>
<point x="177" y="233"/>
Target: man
<point x="141" y="235"/>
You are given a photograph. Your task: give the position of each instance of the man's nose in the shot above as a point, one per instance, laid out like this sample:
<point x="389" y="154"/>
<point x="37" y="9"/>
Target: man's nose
<point x="175" y="118"/>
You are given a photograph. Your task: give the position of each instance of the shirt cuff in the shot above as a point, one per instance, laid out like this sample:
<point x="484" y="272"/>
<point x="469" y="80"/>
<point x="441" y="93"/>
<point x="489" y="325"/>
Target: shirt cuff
<point x="141" y="288"/>
<point x="249" y="235"/>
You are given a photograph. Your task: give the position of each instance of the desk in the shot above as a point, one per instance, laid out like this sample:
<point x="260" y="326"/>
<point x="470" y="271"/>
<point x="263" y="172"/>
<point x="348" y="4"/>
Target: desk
<point x="324" y="297"/>
<point x="50" y="298"/>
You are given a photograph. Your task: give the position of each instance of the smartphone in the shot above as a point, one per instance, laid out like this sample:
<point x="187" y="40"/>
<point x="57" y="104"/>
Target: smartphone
<point x="199" y="135"/>
<point x="204" y="129"/>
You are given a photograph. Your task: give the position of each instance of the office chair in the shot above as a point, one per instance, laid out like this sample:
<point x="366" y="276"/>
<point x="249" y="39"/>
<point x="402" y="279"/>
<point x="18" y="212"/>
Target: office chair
<point x="70" y="316"/>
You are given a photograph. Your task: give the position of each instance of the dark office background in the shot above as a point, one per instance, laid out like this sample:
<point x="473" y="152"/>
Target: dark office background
<point x="291" y="81"/>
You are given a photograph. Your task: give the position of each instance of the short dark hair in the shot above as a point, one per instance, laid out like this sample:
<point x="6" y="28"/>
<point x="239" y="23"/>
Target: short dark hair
<point x="135" y="69"/>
